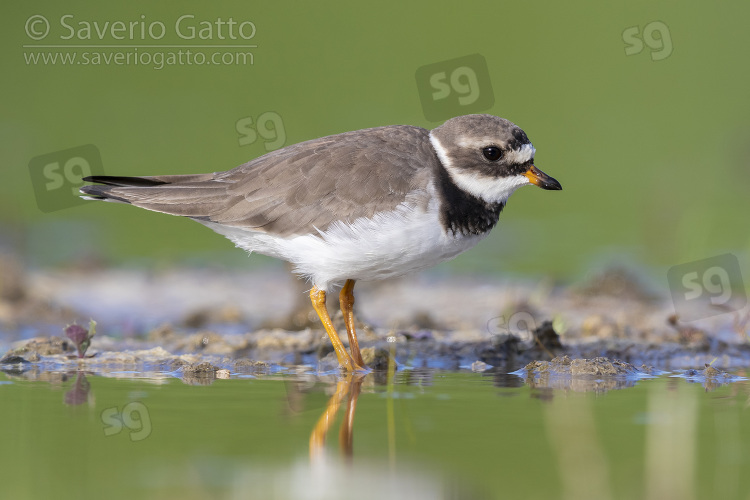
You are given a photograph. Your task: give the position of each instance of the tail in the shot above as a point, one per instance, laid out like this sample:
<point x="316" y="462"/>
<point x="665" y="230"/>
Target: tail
<point x="107" y="182"/>
<point x="194" y="196"/>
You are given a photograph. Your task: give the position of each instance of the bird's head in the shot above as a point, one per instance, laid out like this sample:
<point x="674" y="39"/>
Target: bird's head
<point x="488" y="157"/>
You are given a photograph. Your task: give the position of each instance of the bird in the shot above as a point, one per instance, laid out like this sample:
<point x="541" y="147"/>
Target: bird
<point x="363" y="205"/>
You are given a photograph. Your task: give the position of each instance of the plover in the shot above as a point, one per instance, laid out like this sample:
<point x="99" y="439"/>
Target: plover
<point x="363" y="205"/>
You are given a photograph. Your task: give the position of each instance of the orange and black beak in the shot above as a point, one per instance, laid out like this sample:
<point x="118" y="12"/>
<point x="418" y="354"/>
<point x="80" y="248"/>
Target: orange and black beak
<point x="539" y="178"/>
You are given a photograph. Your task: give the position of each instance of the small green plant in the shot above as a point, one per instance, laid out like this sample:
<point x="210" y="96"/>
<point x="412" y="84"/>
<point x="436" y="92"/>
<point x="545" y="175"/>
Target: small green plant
<point x="80" y="336"/>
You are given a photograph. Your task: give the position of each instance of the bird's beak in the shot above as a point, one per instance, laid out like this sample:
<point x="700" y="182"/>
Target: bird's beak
<point x="539" y="178"/>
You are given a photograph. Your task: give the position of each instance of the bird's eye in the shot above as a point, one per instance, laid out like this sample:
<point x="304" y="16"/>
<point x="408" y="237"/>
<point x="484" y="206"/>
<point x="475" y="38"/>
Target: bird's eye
<point x="492" y="153"/>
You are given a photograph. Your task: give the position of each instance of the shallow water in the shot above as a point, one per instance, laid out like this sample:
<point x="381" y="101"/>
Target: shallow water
<point x="412" y="434"/>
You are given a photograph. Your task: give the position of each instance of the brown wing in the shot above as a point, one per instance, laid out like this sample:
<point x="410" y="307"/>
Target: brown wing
<point x="295" y="189"/>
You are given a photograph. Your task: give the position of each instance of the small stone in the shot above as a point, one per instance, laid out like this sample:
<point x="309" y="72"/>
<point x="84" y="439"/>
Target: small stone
<point x="710" y="371"/>
<point x="204" y="369"/>
<point x="479" y="366"/>
<point x="11" y="359"/>
<point x="547" y="336"/>
<point x="375" y="358"/>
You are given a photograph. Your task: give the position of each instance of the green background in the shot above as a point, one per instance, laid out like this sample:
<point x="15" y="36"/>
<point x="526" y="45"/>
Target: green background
<point x="652" y="154"/>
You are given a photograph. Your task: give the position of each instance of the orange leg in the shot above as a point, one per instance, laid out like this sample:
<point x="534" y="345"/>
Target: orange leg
<point x="346" y="299"/>
<point x="318" y="298"/>
<point x="346" y="441"/>
<point x="350" y="385"/>
<point x="318" y="435"/>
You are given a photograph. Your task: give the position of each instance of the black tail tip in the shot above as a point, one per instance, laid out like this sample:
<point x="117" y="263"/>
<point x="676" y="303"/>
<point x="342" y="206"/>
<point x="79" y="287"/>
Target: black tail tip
<point x="114" y="180"/>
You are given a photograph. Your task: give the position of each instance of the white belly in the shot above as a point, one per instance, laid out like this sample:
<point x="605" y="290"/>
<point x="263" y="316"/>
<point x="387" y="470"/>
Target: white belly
<point x="388" y="245"/>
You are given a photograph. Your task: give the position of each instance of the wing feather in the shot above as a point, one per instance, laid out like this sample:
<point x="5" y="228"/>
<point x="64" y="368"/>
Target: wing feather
<point x="296" y="189"/>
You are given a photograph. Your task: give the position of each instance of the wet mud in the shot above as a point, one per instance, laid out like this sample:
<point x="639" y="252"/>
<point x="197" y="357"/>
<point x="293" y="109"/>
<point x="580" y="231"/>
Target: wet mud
<point x="200" y="326"/>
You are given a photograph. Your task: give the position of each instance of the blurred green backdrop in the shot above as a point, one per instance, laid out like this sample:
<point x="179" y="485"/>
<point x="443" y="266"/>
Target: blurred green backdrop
<point x="651" y="148"/>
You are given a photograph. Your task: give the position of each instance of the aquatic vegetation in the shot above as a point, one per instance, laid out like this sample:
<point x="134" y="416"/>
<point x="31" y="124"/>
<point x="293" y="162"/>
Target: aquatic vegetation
<point x="80" y="336"/>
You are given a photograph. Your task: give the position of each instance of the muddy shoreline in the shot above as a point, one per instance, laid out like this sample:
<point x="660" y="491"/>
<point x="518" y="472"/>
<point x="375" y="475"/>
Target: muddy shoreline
<point x="259" y="322"/>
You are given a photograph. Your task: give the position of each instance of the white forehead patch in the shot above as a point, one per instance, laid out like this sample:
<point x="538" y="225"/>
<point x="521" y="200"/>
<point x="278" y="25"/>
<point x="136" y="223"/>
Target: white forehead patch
<point x="520" y="156"/>
<point x="490" y="189"/>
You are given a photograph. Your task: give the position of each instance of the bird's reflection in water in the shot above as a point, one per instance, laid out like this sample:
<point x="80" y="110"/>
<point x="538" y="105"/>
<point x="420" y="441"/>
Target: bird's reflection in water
<point x="347" y="388"/>
<point x="332" y="477"/>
